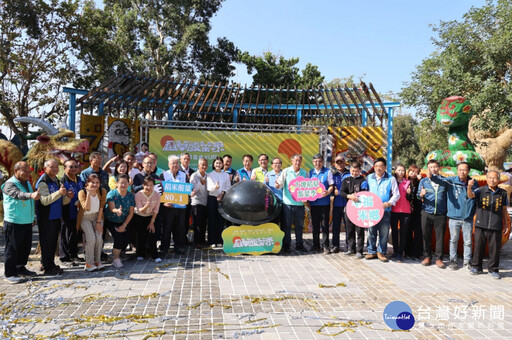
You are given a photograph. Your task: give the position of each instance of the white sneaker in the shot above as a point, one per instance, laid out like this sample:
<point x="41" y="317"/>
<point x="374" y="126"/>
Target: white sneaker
<point x="14" y="279"/>
<point x="117" y="263"/>
<point x="90" y="267"/>
<point x="99" y="265"/>
<point x="158" y="260"/>
<point x="140" y="258"/>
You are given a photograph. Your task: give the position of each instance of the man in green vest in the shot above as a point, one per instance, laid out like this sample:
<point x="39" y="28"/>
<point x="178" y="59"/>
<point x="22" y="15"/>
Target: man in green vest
<point x="293" y="210"/>
<point x="19" y="218"/>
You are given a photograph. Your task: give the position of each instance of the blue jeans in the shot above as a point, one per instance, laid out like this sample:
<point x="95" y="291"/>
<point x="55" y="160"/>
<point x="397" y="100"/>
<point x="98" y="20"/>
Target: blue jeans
<point x="467" y="229"/>
<point x="382" y="228"/>
<point x="293" y="214"/>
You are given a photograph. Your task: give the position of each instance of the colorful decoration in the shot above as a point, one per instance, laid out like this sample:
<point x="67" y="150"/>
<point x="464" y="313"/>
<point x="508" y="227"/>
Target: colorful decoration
<point x="306" y="189"/>
<point x="253" y="240"/>
<point x="367" y="212"/>
<point x="455" y="113"/>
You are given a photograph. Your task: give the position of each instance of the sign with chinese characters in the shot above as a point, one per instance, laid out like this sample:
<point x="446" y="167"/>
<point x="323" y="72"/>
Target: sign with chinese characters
<point x="253" y="240"/>
<point x="367" y="212"/>
<point x="210" y="144"/>
<point x="176" y="193"/>
<point x="306" y="189"/>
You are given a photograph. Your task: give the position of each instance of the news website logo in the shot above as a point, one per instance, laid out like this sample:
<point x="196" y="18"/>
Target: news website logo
<point x="398" y="316"/>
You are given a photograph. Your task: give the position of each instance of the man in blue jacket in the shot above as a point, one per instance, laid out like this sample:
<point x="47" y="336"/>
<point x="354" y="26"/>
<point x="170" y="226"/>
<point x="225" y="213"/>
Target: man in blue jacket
<point x="386" y="187"/>
<point x="433" y="213"/>
<point x="339" y="173"/>
<point x="461" y="210"/>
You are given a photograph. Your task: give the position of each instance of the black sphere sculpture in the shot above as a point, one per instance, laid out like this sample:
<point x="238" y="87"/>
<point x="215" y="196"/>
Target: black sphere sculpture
<point x="249" y="202"/>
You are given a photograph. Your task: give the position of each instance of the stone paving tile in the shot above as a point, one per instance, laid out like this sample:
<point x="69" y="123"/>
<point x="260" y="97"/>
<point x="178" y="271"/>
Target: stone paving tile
<point x="209" y="295"/>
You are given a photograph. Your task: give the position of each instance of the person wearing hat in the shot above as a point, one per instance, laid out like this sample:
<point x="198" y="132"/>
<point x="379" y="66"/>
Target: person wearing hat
<point x="321" y="206"/>
<point x="339" y="173"/>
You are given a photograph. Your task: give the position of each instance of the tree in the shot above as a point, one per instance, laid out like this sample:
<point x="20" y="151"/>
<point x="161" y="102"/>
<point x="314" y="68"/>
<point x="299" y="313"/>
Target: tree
<point x="405" y="145"/>
<point x="431" y="136"/>
<point x="272" y="70"/>
<point x="35" y="59"/>
<point x="159" y="38"/>
<point x="473" y="58"/>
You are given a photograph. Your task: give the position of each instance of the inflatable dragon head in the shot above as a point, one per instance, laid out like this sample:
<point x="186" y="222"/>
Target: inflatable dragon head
<point x="51" y="143"/>
<point x="454" y="111"/>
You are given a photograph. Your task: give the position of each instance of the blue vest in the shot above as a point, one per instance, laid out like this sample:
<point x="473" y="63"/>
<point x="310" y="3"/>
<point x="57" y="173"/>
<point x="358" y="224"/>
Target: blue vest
<point x="382" y="188"/>
<point x="322" y="177"/>
<point x="290" y="175"/>
<point x="72" y="210"/>
<point x="338" y="178"/>
<point x="54" y="210"/>
<point x="19" y="211"/>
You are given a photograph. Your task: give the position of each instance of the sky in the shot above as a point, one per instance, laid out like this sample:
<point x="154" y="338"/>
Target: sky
<point x="380" y="41"/>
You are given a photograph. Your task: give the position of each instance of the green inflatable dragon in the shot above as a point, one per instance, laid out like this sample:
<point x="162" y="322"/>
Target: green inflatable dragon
<point x="455" y="112"/>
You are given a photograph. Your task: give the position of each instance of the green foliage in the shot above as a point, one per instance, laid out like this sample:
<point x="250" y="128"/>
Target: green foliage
<point x="405" y="144"/>
<point x="272" y="70"/>
<point x="431" y="135"/>
<point x="35" y="58"/>
<point x="159" y="38"/>
<point x="473" y="58"/>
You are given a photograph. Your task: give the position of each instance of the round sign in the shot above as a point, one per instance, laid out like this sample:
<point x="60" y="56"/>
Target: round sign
<point x="367" y="212"/>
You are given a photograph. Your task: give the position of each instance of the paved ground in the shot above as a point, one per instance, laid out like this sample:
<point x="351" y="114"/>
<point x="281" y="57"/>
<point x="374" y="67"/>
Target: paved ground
<point x="206" y="294"/>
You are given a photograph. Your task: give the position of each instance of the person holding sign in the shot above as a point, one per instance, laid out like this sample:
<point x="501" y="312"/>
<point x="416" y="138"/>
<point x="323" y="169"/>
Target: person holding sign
<point x="217" y="183"/>
<point x="199" y="198"/>
<point x="386" y="187"/>
<point x="491" y="206"/>
<point x="260" y="172"/>
<point x="321" y="206"/>
<point x="293" y="210"/>
<point x="174" y="214"/>
<point x="349" y="187"/>
<point x="118" y="214"/>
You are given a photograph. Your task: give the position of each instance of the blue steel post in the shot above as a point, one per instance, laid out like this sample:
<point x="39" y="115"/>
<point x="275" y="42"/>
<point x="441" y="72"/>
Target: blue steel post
<point x="169" y="113"/>
<point x="235" y="117"/>
<point x="365" y="119"/>
<point x="72" y="112"/>
<point x="390" y="140"/>
<point x="299" y="119"/>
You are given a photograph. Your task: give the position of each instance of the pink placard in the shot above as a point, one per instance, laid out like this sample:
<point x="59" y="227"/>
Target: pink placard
<point x="306" y="189"/>
<point x="367" y="212"/>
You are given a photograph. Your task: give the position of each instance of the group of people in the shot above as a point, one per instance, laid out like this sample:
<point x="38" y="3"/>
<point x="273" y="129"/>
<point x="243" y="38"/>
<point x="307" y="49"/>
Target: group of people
<point x="126" y="202"/>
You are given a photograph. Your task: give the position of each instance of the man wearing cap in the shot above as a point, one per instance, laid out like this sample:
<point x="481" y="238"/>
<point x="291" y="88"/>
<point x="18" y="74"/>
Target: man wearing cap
<point x="320" y="207"/>
<point x="339" y="173"/>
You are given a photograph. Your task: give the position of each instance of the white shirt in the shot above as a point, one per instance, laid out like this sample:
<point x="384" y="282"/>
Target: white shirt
<point x="95" y="205"/>
<point x="201" y="196"/>
<point x="217" y="177"/>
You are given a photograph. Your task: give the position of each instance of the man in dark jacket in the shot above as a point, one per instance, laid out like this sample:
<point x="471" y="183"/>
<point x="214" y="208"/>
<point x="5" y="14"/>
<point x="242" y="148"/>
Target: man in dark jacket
<point x="350" y="186"/>
<point x="491" y="204"/>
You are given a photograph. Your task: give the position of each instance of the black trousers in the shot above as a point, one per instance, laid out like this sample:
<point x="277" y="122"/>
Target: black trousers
<point x="139" y="225"/>
<point x="68" y="247"/>
<point x="48" y="236"/>
<point x="216" y="222"/>
<point x="199" y="213"/>
<point x="399" y="237"/>
<point x="18" y="242"/>
<point x="414" y="245"/>
<point x="438" y="223"/>
<point x="352" y="232"/>
<point x="320" y="217"/>
<point x="337" y="218"/>
<point x="121" y="240"/>
<point x="174" y="223"/>
<point x="493" y="239"/>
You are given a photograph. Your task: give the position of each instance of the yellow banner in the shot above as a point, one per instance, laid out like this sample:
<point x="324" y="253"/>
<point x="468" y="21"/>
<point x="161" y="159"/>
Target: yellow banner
<point x="360" y="143"/>
<point x="210" y="144"/>
<point x="91" y="128"/>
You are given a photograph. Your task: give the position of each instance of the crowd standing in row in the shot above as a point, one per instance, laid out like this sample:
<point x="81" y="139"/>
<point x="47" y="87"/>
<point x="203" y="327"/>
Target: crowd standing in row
<point x="127" y="204"/>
